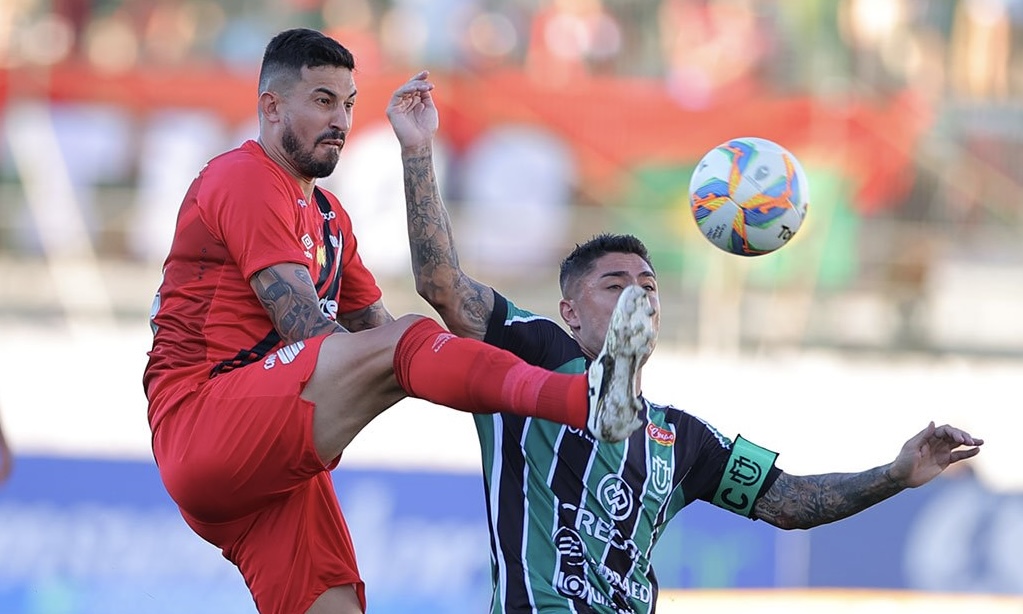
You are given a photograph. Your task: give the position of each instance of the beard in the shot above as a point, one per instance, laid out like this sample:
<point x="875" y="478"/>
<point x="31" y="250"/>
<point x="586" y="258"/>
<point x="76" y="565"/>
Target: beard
<point x="305" y="160"/>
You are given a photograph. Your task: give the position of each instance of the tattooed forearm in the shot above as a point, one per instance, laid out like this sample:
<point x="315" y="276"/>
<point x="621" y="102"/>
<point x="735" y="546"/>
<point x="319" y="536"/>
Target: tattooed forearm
<point x="287" y="294"/>
<point x="463" y="303"/>
<point x="370" y="317"/>
<point x="429" y="226"/>
<point x="802" y="502"/>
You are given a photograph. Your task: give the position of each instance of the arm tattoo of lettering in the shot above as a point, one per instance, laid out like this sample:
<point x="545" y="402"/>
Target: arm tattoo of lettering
<point x="287" y="293"/>
<point x="803" y="502"/>
<point x="369" y="317"/>
<point x="464" y="304"/>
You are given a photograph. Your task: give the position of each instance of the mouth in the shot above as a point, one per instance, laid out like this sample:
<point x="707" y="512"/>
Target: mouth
<point x="339" y="143"/>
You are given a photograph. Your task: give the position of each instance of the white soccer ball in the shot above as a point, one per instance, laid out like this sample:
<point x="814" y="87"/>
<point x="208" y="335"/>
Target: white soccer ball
<point x="749" y="196"/>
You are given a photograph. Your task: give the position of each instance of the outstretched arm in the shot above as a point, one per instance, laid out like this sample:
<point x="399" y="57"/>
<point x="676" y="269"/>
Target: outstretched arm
<point x="463" y="303"/>
<point x="803" y="502"/>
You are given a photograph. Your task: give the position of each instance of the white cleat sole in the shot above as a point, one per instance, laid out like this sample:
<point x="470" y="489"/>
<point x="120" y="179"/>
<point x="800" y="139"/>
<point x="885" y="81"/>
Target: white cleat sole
<point x="614" y="403"/>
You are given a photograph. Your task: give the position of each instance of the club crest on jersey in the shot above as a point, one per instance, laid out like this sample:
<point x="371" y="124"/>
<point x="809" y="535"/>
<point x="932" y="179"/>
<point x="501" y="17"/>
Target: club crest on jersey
<point x="659" y="435"/>
<point x="660" y="476"/>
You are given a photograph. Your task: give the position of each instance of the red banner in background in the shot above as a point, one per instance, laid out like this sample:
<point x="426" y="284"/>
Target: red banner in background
<point x="612" y="124"/>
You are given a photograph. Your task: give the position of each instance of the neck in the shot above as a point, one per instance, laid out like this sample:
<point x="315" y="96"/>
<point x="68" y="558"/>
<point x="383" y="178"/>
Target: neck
<point x="305" y="183"/>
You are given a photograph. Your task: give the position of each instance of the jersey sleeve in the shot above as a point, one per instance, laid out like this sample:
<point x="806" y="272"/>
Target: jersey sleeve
<point x="250" y="210"/>
<point x="533" y="338"/>
<point x="730" y="474"/>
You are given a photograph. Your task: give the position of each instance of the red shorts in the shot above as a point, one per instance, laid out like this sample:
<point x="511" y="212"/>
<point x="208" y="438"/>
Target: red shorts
<point x="237" y="456"/>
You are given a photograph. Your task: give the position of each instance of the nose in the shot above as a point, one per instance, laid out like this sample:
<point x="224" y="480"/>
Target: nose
<point x="342" y="121"/>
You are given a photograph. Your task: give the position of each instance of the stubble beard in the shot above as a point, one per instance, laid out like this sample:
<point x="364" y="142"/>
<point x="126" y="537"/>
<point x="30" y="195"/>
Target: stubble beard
<point x="305" y="160"/>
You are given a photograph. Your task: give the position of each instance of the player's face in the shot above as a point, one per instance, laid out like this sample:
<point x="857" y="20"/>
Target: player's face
<point x="316" y="120"/>
<point x="588" y="310"/>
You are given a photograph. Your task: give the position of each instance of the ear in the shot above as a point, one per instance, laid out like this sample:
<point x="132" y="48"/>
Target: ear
<point x="269" y="105"/>
<point x="568" y="313"/>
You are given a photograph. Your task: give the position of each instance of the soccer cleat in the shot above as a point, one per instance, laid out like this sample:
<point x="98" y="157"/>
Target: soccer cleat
<point x="614" y="404"/>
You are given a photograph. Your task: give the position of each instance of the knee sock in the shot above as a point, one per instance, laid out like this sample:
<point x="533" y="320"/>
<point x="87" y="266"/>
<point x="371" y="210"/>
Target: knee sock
<point x="465" y="374"/>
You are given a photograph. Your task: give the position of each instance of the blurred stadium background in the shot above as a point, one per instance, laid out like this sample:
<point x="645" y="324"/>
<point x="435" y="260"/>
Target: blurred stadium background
<point x="897" y="303"/>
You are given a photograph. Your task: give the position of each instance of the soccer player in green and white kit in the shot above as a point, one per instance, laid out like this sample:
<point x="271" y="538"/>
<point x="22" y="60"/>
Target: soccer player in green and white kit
<point x="572" y="520"/>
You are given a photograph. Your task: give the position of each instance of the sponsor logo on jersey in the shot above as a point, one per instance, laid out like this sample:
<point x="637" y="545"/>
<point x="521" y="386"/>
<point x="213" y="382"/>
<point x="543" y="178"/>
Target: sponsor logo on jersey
<point x="659" y="435"/>
<point x="285" y="355"/>
<point x="328" y="308"/>
<point x="307" y="241"/>
<point x="301" y="203"/>
<point x="615" y="496"/>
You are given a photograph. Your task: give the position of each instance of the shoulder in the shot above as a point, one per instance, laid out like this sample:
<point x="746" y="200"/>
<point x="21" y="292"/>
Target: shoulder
<point x="535" y="338"/>
<point x="686" y="423"/>
<point x="246" y="174"/>
<point x="508" y="315"/>
<point x="244" y="166"/>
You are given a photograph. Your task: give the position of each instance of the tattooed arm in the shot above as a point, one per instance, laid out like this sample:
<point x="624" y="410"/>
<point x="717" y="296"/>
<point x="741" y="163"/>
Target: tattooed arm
<point x="368" y="317"/>
<point x="802" y="502"/>
<point x="289" y="297"/>
<point x="463" y="303"/>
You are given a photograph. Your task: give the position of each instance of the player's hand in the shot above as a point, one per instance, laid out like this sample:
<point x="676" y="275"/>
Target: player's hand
<point x="930" y="452"/>
<point x="412" y="113"/>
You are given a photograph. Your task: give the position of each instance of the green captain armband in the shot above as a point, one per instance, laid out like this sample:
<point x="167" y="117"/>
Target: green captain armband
<point x="745" y="472"/>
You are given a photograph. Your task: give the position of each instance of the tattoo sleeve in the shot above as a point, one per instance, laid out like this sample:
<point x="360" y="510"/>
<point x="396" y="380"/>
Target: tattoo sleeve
<point x="287" y="293"/>
<point x="464" y="303"/>
<point x="803" y="502"/>
<point x="369" y="317"/>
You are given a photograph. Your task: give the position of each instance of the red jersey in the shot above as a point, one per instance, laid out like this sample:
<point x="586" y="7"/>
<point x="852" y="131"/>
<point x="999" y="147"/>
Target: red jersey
<point x="242" y="214"/>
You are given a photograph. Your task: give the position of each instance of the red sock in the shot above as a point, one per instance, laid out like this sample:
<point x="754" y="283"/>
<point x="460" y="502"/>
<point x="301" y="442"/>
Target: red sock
<point x="465" y="374"/>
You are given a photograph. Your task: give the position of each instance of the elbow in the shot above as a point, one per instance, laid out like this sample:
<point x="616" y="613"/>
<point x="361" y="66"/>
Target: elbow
<point x="435" y="296"/>
<point x="423" y="290"/>
<point x="788" y="522"/>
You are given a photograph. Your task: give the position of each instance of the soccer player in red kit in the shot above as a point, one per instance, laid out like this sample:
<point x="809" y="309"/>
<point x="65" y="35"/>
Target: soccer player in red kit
<point x="272" y="348"/>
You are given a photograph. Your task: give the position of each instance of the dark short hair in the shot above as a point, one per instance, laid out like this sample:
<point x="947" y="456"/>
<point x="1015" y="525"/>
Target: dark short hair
<point x="290" y="51"/>
<point x="580" y="261"/>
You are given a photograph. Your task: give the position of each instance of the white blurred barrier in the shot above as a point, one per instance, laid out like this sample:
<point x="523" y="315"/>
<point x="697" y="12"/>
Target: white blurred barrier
<point x="822" y="412"/>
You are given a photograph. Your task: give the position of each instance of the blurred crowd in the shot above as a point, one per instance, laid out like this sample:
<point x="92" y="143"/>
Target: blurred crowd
<point x="961" y="48"/>
<point x="960" y="61"/>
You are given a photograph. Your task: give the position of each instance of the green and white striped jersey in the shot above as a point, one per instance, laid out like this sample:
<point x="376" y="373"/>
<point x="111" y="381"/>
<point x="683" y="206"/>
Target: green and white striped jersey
<point x="573" y="521"/>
